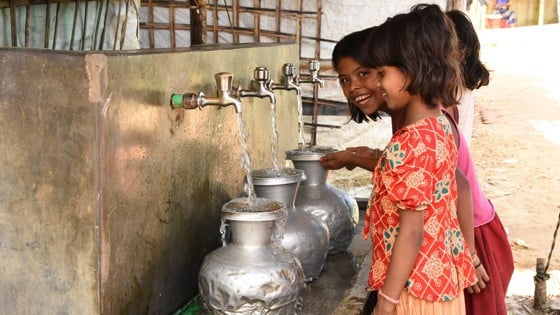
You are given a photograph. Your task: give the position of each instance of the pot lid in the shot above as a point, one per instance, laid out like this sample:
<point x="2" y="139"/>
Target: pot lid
<point x="309" y="154"/>
<point x="253" y="209"/>
<point x="271" y="176"/>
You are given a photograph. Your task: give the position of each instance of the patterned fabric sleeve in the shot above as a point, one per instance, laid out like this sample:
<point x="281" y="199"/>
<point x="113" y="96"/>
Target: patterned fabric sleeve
<point x="409" y="180"/>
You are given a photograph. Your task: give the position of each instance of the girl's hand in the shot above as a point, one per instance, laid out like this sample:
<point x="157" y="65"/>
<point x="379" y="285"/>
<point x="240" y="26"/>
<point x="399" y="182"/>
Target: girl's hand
<point x="364" y="152"/>
<point x="384" y="307"/>
<point x="337" y="160"/>
<point x="364" y="157"/>
<point x="483" y="278"/>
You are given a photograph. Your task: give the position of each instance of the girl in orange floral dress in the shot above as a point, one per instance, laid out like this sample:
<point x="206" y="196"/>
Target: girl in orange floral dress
<point x="420" y="263"/>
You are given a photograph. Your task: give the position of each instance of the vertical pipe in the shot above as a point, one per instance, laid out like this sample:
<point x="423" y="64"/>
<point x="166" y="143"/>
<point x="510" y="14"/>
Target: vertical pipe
<point x="540" y="298"/>
<point x="298" y="25"/>
<point x="74" y="21"/>
<point x="215" y="22"/>
<point x="198" y="16"/>
<point x="151" y="23"/>
<point x="172" y="39"/>
<point x="117" y="25"/>
<point x="314" y="118"/>
<point x="84" y="29"/>
<point x="57" y="14"/>
<point x="104" y="24"/>
<point x="47" y="23"/>
<point x="203" y="13"/>
<point x="235" y="24"/>
<point x="257" y="21"/>
<point x="278" y="19"/>
<point x="99" y="9"/>
<point x="13" y="22"/>
<point x="27" y="22"/>
<point x="125" y="23"/>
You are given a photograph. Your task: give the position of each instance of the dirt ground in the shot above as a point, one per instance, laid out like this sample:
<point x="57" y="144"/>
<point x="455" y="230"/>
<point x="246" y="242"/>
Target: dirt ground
<point x="516" y="149"/>
<point x="516" y="137"/>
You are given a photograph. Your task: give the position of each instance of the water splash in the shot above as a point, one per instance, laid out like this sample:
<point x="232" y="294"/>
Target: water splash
<point x="246" y="158"/>
<point x="224" y="232"/>
<point x="279" y="230"/>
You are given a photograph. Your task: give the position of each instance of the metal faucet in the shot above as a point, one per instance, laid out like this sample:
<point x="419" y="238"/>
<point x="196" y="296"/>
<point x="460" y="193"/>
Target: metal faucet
<point x="224" y="97"/>
<point x="314" y="74"/>
<point x="260" y="86"/>
<point x="288" y="80"/>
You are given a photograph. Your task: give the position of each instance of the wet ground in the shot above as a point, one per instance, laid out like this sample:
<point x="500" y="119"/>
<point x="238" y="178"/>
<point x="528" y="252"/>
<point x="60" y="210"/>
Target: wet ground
<point x="327" y="294"/>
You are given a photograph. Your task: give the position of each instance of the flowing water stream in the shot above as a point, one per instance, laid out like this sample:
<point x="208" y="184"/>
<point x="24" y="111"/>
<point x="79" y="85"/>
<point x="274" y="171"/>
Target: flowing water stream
<point x="275" y="163"/>
<point x="300" y="122"/>
<point x="246" y="158"/>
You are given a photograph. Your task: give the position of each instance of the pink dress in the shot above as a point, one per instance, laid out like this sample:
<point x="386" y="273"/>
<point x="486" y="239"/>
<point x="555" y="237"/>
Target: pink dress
<point x="491" y="243"/>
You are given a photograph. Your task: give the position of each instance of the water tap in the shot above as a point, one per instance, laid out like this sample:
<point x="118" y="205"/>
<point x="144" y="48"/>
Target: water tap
<point x="314" y="74"/>
<point x="224" y="97"/>
<point x="289" y="79"/>
<point x="260" y="86"/>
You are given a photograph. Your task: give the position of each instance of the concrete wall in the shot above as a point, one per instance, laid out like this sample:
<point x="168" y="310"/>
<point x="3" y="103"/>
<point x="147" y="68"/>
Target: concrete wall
<point x="110" y="199"/>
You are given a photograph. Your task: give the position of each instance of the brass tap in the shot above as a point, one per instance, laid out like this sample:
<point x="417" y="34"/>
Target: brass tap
<point x="224" y="96"/>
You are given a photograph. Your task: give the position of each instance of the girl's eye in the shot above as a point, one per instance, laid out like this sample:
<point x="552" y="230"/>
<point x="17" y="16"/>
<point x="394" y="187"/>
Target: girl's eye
<point x="363" y="74"/>
<point x="342" y="81"/>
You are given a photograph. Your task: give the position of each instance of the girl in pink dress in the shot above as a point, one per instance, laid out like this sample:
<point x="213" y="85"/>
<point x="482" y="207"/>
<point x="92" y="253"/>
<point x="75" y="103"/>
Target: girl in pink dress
<point x="491" y="242"/>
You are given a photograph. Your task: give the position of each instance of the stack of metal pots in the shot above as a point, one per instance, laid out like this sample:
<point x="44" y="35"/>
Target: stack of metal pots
<point x="336" y="208"/>
<point x="252" y="274"/>
<point x="305" y="236"/>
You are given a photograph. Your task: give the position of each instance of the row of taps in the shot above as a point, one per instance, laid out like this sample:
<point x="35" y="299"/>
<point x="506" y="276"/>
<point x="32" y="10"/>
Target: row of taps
<point x="261" y="87"/>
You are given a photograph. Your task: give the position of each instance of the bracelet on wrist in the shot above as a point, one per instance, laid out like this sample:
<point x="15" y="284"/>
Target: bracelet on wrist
<point x="473" y="254"/>
<point x="388" y="298"/>
<point x="478" y="265"/>
<point x="475" y="258"/>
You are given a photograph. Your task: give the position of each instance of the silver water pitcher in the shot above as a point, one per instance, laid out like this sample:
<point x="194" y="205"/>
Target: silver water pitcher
<point x="305" y="236"/>
<point x="252" y="274"/>
<point x="336" y="208"/>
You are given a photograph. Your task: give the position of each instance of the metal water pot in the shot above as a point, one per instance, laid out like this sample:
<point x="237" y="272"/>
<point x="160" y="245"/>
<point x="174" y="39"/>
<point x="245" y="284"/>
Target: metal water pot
<point x="252" y="274"/>
<point x="305" y="236"/>
<point x="336" y="208"/>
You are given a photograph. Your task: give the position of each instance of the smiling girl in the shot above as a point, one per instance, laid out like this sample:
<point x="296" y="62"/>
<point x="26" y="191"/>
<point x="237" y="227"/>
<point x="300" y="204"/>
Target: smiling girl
<point x="420" y="263"/>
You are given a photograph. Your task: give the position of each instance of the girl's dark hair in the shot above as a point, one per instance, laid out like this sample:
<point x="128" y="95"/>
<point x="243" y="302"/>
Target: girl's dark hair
<point x="475" y="73"/>
<point x="352" y="46"/>
<point x="423" y="44"/>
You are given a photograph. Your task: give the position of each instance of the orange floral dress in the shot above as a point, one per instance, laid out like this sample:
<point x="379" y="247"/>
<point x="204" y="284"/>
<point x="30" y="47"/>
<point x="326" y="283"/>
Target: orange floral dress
<point x="417" y="173"/>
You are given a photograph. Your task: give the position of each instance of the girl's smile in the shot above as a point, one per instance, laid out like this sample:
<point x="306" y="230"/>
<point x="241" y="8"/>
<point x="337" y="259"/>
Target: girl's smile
<point x="359" y="85"/>
<point x="392" y="83"/>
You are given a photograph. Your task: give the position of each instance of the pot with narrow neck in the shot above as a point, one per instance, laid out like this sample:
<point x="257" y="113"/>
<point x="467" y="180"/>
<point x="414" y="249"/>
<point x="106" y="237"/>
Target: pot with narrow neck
<point x="335" y="207"/>
<point x="305" y="236"/>
<point x="252" y="274"/>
